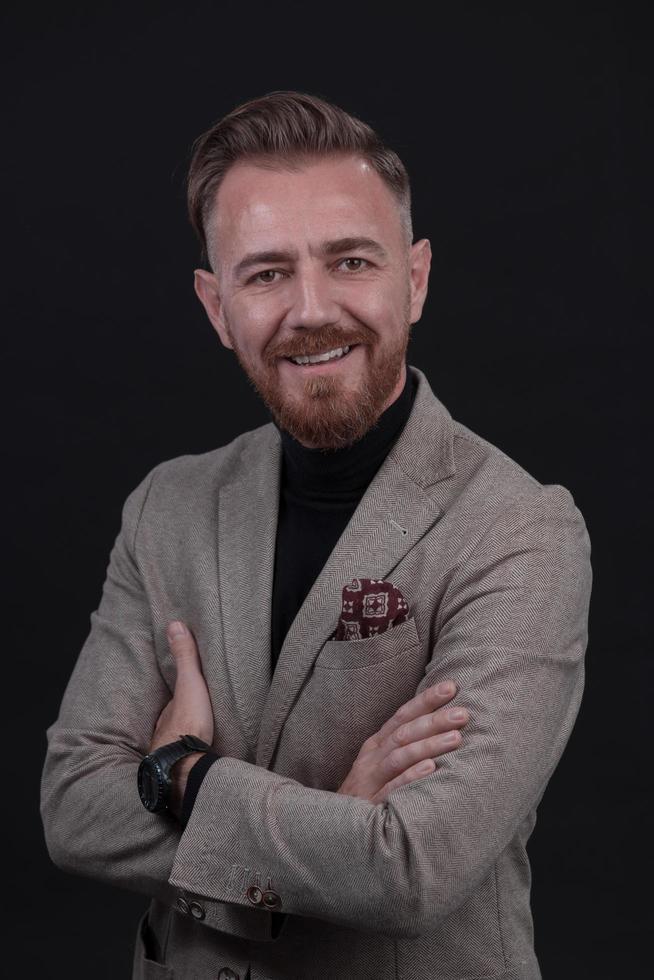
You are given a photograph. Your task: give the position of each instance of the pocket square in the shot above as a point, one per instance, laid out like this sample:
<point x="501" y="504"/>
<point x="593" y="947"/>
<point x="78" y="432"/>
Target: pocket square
<point x="369" y="606"/>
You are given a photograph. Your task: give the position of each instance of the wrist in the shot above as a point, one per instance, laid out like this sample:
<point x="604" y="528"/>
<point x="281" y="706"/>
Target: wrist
<point x="179" y="776"/>
<point x="161" y="776"/>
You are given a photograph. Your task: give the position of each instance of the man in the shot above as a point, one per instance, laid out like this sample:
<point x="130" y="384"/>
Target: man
<point x="312" y="807"/>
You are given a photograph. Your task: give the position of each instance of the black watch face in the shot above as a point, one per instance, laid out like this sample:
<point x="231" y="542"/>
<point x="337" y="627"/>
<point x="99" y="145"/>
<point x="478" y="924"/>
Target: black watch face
<point x="149" y="783"/>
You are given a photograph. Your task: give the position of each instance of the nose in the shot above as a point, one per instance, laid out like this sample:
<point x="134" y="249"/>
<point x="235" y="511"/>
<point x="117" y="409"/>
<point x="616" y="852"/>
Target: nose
<point x="313" y="303"/>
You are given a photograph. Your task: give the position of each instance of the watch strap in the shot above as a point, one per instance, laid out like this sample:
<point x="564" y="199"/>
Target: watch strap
<point x="194" y="743"/>
<point x="194" y="782"/>
<point x="168" y="755"/>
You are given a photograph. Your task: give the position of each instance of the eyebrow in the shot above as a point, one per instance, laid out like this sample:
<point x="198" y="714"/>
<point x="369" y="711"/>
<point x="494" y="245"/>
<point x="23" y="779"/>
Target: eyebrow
<point x="336" y="246"/>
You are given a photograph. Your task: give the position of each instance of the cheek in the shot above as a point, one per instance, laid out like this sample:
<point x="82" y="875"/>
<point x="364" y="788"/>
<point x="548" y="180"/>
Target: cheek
<point x="378" y="305"/>
<point x="253" y="323"/>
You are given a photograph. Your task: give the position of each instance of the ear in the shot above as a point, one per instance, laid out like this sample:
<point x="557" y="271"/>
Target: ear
<point x="419" y="266"/>
<point x="206" y="288"/>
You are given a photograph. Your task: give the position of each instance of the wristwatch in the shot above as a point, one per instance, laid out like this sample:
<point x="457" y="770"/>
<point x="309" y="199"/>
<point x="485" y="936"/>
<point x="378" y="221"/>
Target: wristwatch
<point x="154" y="780"/>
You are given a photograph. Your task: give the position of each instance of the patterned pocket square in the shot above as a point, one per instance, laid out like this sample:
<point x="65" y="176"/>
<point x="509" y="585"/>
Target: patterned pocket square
<point x="369" y="606"/>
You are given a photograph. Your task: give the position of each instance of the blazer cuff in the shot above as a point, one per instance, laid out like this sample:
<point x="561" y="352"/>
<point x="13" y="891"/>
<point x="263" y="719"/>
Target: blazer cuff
<point x="193" y="783"/>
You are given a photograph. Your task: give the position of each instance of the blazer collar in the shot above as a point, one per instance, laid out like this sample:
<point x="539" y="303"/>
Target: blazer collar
<point x="425" y="447"/>
<point x="396" y="510"/>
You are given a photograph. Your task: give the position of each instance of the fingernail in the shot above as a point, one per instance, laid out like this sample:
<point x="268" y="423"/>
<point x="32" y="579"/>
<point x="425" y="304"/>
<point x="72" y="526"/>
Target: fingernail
<point x="458" y="714"/>
<point x="176" y="629"/>
<point x="452" y="737"/>
<point x="444" y="688"/>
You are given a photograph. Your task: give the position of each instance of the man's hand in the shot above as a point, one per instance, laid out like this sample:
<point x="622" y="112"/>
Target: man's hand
<point x="404" y="748"/>
<point x="189" y="712"/>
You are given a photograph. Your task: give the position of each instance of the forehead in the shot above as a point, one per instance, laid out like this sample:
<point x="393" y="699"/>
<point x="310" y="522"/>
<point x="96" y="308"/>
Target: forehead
<point x="334" y="197"/>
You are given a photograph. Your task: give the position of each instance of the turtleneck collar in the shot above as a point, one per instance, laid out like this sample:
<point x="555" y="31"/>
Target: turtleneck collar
<point x="337" y="474"/>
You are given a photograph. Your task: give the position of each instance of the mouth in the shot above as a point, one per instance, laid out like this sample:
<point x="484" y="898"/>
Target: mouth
<point x="327" y="359"/>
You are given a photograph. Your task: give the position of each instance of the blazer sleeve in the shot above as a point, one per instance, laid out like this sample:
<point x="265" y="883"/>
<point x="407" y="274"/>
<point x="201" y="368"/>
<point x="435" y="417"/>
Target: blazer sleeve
<point x="511" y="631"/>
<point x="94" y="822"/>
<point x="90" y="807"/>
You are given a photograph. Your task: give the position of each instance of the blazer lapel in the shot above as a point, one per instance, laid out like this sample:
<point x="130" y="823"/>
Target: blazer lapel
<point x="247" y="527"/>
<point x="392" y="516"/>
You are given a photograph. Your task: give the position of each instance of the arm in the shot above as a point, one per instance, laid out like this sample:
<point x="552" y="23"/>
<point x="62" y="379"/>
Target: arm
<point x="512" y="633"/>
<point x="94" y="822"/>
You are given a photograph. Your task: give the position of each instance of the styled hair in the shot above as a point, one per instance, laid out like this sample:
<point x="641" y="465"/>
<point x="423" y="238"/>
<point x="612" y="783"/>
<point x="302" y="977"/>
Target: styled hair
<point x="286" y="127"/>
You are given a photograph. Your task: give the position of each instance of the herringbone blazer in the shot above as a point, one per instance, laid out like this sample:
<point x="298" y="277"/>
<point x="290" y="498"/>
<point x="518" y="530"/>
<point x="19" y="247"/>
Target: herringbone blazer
<point x="435" y="881"/>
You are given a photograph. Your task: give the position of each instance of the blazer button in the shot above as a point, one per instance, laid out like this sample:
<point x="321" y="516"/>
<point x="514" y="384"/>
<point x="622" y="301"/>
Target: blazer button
<point x="254" y="895"/>
<point x="271" y="900"/>
<point x="183" y="905"/>
<point x="227" y="974"/>
<point x="197" y="911"/>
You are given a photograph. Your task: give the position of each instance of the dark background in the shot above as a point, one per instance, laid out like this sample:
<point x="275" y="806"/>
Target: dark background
<point x="523" y="127"/>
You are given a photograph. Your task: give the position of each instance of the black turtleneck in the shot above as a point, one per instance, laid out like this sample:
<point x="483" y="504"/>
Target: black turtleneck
<point x="320" y="490"/>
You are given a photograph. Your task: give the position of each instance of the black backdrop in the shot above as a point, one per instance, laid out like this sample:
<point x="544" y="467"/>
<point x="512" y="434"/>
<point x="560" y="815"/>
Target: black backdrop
<point x="524" y="127"/>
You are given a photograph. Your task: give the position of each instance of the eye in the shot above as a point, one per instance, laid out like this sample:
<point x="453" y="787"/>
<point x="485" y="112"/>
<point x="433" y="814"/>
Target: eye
<point x="354" y="265"/>
<point x="266" y="276"/>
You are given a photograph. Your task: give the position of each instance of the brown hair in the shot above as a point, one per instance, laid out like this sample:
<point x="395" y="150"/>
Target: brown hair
<point x="286" y="126"/>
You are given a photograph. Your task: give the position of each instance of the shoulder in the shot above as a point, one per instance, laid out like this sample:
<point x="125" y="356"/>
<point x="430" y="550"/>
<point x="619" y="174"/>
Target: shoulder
<point x="181" y="483"/>
<point x="455" y="464"/>
<point x="216" y="466"/>
<point x="485" y="467"/>
<point x="502" y="499"/>
<point x="476" y="485"/>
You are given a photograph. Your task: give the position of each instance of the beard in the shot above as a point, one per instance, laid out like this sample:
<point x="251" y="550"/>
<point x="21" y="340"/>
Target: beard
<point x="328" y="414"/>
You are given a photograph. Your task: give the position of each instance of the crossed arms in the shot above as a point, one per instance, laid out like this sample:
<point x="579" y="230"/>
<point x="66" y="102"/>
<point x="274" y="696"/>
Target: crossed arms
<point x="511" y="634"/>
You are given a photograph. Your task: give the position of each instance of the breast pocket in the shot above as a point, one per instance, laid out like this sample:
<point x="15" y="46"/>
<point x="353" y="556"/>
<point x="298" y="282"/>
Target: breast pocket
<point x="359" y="654"/>
<point x="354" y="687"/>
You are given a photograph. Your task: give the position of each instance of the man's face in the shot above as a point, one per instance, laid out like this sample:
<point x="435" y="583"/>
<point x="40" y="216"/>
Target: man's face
<point x="307" y="261"/>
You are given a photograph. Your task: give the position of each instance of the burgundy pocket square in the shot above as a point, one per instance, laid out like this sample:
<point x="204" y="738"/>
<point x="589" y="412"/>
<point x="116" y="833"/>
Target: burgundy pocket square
<point x="369" y="606"/>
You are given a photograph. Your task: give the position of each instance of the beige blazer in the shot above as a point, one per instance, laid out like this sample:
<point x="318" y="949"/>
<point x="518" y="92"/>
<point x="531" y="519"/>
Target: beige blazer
<point x="433" y="883"/>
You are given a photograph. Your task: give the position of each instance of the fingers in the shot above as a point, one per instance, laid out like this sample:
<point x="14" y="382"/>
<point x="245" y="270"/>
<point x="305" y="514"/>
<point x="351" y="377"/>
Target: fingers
<point x="190" y="708"/>
<point x="429" y="700"/>
<point x="419" y="771"/>
<point x="184" y="649"/>
<point x="401" y="759"/>
<point x="443" y="720"/>
<point x="406" y="746"/>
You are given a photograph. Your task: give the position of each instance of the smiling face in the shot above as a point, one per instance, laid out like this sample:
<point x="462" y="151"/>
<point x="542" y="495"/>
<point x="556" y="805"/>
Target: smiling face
<point x="308" y="261"/>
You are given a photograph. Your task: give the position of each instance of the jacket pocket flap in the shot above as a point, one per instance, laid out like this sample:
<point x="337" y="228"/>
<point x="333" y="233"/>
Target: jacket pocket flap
<point x="353" y="654"/>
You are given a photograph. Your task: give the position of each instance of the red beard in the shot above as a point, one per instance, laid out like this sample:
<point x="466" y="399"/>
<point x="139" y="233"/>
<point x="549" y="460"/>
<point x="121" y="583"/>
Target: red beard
<point x="328" y="415"/>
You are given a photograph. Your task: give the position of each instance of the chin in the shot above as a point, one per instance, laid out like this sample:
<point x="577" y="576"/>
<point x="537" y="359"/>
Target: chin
<point x="326" y="418"/>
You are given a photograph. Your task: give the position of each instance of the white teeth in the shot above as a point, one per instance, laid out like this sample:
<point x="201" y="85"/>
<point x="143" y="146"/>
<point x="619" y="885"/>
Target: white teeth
<point x="330" y="355"/>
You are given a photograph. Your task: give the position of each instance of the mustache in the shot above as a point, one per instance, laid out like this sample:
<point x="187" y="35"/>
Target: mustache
<point x="316" y="342"/>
